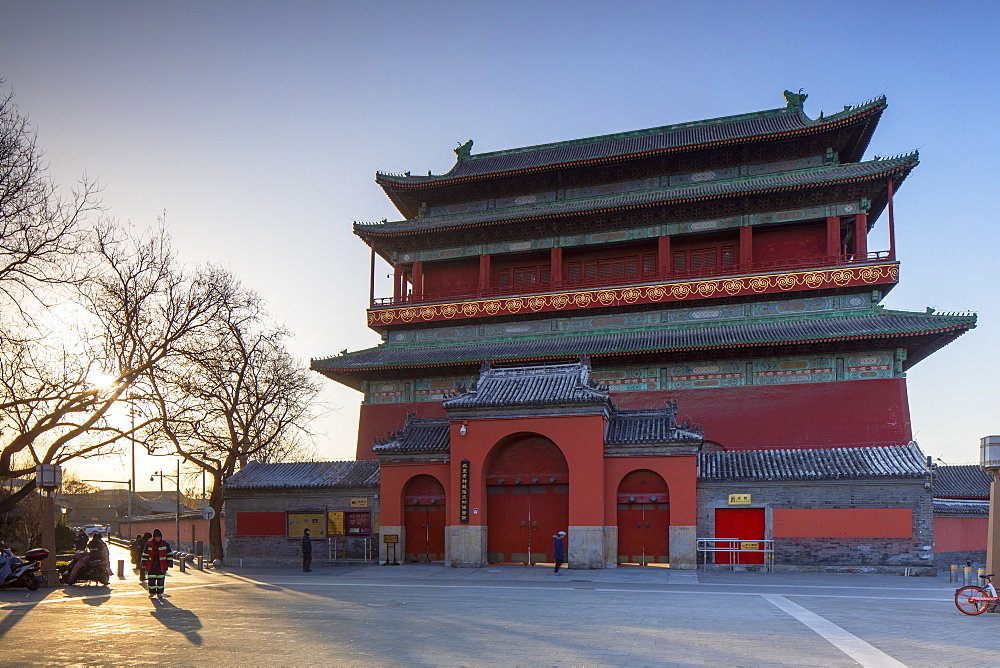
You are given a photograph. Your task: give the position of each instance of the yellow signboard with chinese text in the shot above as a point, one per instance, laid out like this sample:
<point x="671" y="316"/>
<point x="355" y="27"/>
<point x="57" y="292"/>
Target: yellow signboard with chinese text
<point x="335" y="523"/>
<point x="359" y="503"/>
<point x="739" y="499"/>
<point x="315" y="522"/>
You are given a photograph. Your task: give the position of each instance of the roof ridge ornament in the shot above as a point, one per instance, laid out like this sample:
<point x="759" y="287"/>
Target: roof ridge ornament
<point x="464" y="151"/>
<point x="795" y="100"/>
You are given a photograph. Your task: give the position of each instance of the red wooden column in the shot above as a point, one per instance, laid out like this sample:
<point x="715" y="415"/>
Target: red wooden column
<point x="418" y="281"/>
<point x="892" y="226"/>
<point x="555" y="266"/>
<point x="663" y="257"/>
<point x="399" y="278"/>
<point x="371" y="282"/>
<point x="833" y="237"/>
<point x="484" y="274"/>
<point x="746" y="246"/>
<point x="861" y="237"/>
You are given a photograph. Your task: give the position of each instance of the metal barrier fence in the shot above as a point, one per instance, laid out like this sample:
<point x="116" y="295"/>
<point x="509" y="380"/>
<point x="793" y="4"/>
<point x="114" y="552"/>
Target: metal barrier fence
<point x="735" y="548"/>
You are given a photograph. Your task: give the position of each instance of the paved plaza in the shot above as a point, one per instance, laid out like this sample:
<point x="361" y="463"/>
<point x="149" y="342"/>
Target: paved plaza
<point x="431" y="615"/>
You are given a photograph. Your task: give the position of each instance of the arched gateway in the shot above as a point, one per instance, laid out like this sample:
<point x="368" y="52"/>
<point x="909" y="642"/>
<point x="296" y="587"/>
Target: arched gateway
<point x="424" y="519"/>
<point x="527" y="499"/>
<point x="643" y="519"/>
<point x="529" y="451"/>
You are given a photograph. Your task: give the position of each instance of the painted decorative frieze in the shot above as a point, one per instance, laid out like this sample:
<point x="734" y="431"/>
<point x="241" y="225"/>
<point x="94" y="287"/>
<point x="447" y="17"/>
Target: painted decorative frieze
<point x="681" y="376"/>
<point x="409" y="391"/>
<point x="659" y="293"/>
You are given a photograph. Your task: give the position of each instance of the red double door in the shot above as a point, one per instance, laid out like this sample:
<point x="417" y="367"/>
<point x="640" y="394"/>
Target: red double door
<point x="527" y="500"/>
<point x="745" y="525"/>
<point x="522" y="521"/>
<point x="643" y="519"/>
<point x="424" y="519"/>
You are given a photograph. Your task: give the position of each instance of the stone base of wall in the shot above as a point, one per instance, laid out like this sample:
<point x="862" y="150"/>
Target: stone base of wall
<point x="944" y="560"/>
<point x="586" y="547"/>
<point x="465" y="546"/>
<point x="611" y="547"/>
<point x="683" y="547"/>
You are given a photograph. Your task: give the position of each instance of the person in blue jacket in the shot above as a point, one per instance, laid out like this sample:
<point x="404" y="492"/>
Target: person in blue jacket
<point x="559" y="550"/>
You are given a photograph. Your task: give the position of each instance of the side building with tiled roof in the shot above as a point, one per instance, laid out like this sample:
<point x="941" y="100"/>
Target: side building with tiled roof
<point x="719" y="269"/>
<point x="961" y="514"/>
<point x="269" y="505"/>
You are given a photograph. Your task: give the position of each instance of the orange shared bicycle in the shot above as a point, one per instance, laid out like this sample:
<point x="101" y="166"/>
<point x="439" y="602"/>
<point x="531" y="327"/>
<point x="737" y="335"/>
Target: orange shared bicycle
<point x="973" y="600"/>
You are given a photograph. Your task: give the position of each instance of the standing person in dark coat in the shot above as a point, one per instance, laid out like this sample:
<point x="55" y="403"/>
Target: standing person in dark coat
<point x="81" y="540"/>
<point x="156" y="559"/>
<point x="307" y="551"/>
<point x="559" y="550"/>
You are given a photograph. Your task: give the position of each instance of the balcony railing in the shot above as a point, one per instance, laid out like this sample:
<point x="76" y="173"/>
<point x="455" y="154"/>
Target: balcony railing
<point x="570" y="285"/>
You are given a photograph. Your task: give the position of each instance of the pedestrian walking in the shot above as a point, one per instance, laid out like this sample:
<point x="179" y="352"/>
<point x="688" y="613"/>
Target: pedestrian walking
<point x="156" y="559"/>
<point x="559" y="550"/>
<point x="138" y="547"/>
<point x="307" y="551"/>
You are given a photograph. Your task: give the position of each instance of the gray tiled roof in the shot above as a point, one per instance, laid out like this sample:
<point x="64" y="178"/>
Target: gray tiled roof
<point x="712" y="131"/>
<point x="671" y="195"/>
<point x="961" y="507"/>
<point x="897" y="461"/>
<point x="256" y="475"/>
<point x="650" y="426"/>
<point x="962" y="482"/>
<point x="531" y="386"/>
<point x="882" y="325"/>
<point x="418" y="435"/>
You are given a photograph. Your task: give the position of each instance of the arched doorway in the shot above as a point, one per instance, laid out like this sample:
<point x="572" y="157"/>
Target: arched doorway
<point x="527" y="488"/>
<point x="643" y="519"/>
<point x="423" y="519"/>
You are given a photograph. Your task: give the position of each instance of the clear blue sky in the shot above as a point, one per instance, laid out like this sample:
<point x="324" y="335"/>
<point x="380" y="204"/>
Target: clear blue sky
<point x="258" y="127"/>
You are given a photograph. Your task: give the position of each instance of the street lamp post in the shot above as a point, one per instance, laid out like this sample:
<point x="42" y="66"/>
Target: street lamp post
<point x="989" y="460"/>
<point x="47" y="478"/>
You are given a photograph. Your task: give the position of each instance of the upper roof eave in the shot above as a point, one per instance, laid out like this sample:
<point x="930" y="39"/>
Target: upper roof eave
<point x="817" y="177"/>
<point x="625" y="145"/>
<point x="880" y="325"/>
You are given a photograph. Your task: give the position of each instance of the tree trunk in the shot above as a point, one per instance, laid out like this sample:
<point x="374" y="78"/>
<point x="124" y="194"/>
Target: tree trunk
<point x="215" y="550"/>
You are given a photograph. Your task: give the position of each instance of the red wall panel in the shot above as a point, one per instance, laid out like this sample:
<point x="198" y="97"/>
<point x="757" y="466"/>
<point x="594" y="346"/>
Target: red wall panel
<point x="451" y="278"/>
<point x="842" y="523"/>
<point x="260" y="524"/>
<point x="959" y="534"/>
<point x="789" y="243"/>
<point x="816" y="415"/>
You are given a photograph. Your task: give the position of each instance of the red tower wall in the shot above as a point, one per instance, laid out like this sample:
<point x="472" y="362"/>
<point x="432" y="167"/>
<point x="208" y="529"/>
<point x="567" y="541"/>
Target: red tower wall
<point x="378" y="419"/>
<point x="817" y="415"/>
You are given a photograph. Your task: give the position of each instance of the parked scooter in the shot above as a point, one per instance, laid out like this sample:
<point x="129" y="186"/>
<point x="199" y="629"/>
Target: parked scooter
<point x="84" y="567"/>
<point x="23" y="571"/>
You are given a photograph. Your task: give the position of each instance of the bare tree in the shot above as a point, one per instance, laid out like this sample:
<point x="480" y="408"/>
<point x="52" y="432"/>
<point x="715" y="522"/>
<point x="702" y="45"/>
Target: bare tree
<point x="40" y="231"/>
<point x="242" y="397"/>
<point x="143" y="311"/>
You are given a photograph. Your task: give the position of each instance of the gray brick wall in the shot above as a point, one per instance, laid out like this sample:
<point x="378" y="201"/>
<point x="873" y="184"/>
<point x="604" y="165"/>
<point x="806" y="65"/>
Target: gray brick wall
<point x="278" y="550"/>
<point x="834" y="554"/>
